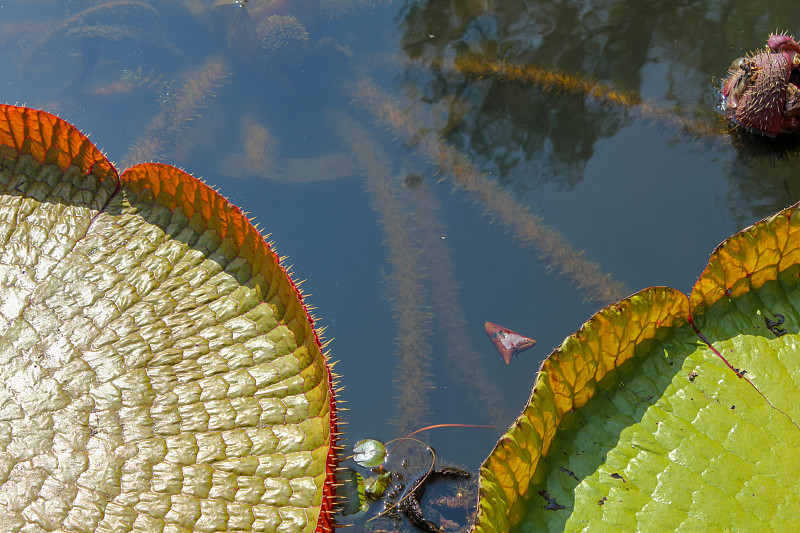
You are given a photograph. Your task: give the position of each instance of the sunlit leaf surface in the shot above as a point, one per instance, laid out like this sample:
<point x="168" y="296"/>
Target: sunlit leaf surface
<point x="369" y="453"/>
<point x="636" y="423"/>
<point x="158" y="370"/>
<point x="376" y="485"/>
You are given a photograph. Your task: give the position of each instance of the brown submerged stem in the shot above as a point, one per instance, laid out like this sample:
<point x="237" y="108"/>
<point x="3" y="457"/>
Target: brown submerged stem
<point x="463" y="362"/>
<point x="528" y="228"/>
<point x="556" y="82"/>
<point x="168" y="126"/>
<point x="409" y="295"/>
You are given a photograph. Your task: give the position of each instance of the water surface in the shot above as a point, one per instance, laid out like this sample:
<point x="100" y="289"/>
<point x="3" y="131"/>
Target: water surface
<point x="401" y="263"/>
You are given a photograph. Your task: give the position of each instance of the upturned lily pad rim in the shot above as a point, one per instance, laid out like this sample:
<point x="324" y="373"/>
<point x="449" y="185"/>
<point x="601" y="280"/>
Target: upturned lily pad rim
<point x="735" y="268"/>
<point x="49" y="140"/>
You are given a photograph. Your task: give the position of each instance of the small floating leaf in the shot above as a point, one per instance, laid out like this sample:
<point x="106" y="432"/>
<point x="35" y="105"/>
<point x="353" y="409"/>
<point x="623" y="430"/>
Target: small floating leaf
<point x="369" y="453"/>
<point x="376" y="485"/>
<point x="507" y="342"/>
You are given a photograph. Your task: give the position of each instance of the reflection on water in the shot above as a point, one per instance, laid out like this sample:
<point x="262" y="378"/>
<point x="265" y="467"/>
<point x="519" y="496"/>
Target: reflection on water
<point x="419" y="185"/>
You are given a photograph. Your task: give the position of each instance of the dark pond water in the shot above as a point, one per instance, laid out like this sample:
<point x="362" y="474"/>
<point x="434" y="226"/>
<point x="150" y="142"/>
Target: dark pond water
<point x="419" y="200"/>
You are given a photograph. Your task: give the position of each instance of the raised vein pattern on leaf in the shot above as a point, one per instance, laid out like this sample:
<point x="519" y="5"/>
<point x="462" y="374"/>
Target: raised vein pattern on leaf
<point x="155" y="354"/>
<point x="739" y="372"/>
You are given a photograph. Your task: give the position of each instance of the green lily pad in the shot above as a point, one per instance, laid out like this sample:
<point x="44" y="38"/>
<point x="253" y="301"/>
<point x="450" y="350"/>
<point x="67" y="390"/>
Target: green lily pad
<point x="369" y="453"/>
<point x="636" y="423"/>
<point x="158" y="369"/>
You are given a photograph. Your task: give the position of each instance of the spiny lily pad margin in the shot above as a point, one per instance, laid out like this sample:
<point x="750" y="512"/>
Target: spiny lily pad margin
<point x="158" y="368"/>
<point x="635" y="423"/>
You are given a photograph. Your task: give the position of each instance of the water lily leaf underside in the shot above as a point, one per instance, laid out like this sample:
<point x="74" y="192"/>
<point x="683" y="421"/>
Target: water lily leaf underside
<point x="158" y="370"/>
<point x="635" y="423"/>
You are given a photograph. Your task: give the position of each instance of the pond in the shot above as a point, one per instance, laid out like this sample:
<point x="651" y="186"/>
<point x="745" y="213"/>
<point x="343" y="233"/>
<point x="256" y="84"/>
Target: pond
<point x="418" y="183"/>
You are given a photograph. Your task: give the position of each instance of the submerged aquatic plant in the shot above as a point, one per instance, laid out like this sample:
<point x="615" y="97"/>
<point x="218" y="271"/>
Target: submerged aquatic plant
<point x="178" y="110"/>
<point x="281" y="33"/>
<point x="528" y="228"/>
<point x="555" y="82"/>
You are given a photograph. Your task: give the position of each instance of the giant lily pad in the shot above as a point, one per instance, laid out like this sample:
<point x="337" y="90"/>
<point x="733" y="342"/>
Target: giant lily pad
<point x="636" y="423"/>
<point x="158" y="369"/>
